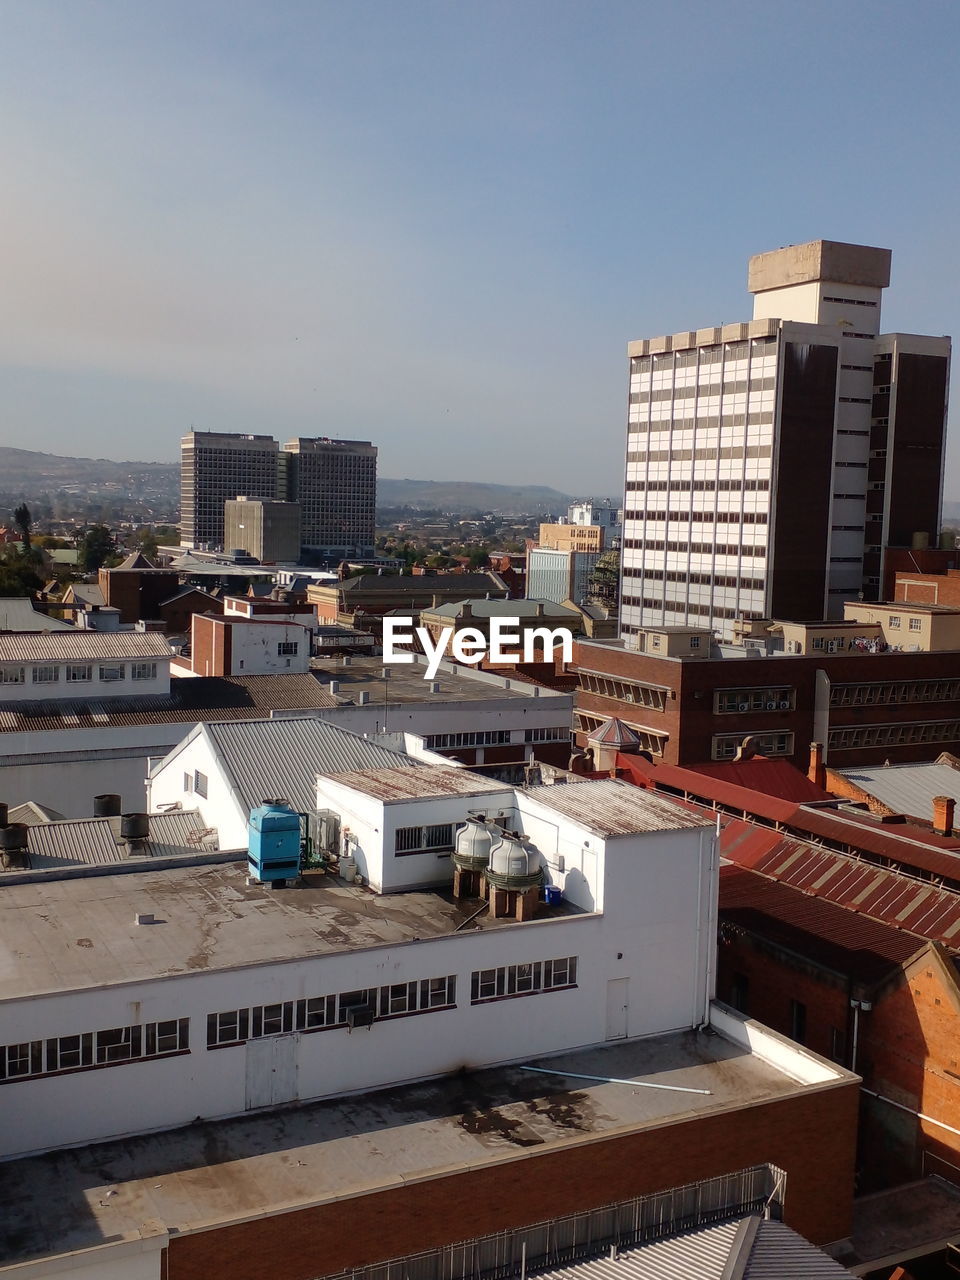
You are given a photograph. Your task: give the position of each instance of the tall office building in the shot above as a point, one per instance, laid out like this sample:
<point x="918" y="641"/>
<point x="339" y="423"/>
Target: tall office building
<point x="214" y="467"/>
<point x="335" y="482"/>
<point x="770" y="462"/>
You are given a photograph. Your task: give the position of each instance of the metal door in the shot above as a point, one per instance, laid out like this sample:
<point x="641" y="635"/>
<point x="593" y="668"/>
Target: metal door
<point x="617" y="1005"/>
<point x="271" y="1071"/>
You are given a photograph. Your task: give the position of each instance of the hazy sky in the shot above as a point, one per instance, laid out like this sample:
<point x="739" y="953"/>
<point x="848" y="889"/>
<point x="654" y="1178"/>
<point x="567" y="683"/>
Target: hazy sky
<point x="437" y="225"/>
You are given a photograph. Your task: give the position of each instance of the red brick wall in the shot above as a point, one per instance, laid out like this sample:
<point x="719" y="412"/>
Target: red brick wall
<point x="210" y="647"/>
<point x="811" y="1136"/>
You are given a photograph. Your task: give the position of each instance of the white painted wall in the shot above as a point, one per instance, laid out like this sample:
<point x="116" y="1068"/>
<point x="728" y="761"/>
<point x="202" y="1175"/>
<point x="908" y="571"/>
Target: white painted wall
<point x="254" y="648"/>
<point x="653" y="934"/>
<point x="220" y="807"/>
<point x="121" y="1260"/>
<point x="60" y="689"/>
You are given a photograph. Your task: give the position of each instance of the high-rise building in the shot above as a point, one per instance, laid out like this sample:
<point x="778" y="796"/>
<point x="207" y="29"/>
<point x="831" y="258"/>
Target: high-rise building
<point x="770" y="462"/>
<point x="335" y="482"/>
<point x="216" y="466"/>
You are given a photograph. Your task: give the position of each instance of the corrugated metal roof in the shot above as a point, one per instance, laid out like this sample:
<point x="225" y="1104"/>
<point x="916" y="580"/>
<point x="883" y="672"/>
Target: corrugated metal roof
<point x="880" y="892"/>
<point x="32" y="813"/>
<point x="840" y="939"/>
<point x="613" y="808"/>
<point x="415" y="784"/>
<point x="773" y="1252"/>
<point x="770" y="777"/>
<point x="907" y="788"/>
<point x="81" y="646"/>
<point x="18" y="614"/>
<point x="272" y="758"/>
<point x="96" y="841"/>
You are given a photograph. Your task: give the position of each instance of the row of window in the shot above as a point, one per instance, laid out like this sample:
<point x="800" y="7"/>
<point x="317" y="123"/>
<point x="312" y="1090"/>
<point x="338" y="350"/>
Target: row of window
<point x="733" y="451"/>
<point x="78" y="672"/>
<point x="778" y="698"/>
<point x="698" y="579"/>
<point x="777" y="743"/>
<point x="649" y="741"/>
<point x="894" y="691"/>
<point x="683" y="419"/>
<point x="624" y="690"/>
<point x="729" y="388"/>
<point x="684" y="606"/>
<point x="481" y="738"/>
<point x="94" y="1049"/>
<point x="701" y="517"/>
<point x="893" y="735"/>
<point x="559" y="734"/>
<point x="431" y="838"/>
<point x="522" y="979"/>
<point x="893" y="622"/>
<point x="698" y="486"/>
<point x="696" y="548"/>
<point x="689" y="356"/>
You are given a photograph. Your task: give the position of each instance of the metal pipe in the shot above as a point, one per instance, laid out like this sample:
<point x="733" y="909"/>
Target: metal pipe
<point x="637" y="1084"/>
<point x="910" y="1111"/>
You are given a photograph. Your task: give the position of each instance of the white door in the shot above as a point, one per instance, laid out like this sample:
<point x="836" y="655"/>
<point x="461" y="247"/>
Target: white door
<point x="617" y="1004"/>
<point x="271" y="1071"/>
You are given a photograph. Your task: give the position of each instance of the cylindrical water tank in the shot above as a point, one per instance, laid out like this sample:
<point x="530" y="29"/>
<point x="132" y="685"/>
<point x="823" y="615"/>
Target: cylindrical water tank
<point x="348" y="868"/>
<point x="920" y="541"/>
<point x="106" y="806"/>
<point x="473" y="844"/>
<point x="514" y="863"/>
<point x="13" y="837"/>
<point x="134" y="826"/>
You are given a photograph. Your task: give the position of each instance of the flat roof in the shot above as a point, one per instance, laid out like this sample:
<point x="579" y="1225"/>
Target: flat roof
<point x="316" y="1152"/>
<point x="610" y="807"/>
<point x="406" y="682"/>
<point x="68" y="935"/>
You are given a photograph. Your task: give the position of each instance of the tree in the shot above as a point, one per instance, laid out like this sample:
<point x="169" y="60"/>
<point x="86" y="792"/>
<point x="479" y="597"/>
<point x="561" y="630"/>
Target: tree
<point x="18" y="578"/>
<point x="21" y="518"/>
<point x="96" y="546"/>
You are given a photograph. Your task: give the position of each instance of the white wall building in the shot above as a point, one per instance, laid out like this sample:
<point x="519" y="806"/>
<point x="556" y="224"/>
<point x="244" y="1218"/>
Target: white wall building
<point x="61" y="665"/>
<point x="239" y="997"/>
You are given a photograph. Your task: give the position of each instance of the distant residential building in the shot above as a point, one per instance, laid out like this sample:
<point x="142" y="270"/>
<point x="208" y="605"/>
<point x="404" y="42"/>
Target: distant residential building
<point x="610" y="519"/>
<point x="572" y="537"/>
<point x="216" y="466"/>
<point x="267" y="529"/>
<point x="57" y="666"/>
<point x="530" y="615"/>
<point x="376" y="594"/>
<point x="137" y="588"/>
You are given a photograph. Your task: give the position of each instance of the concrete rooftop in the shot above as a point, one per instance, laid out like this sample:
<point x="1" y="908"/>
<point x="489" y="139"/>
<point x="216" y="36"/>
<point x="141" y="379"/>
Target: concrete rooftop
<point x="406" y="682"/>
<point x="69" y="935"/>
<point x="306" y="1154"/>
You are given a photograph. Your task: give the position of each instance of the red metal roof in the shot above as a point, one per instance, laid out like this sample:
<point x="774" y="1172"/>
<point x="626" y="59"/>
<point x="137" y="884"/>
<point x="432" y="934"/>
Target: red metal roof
<point x="840" y="939"/>
<point x="777" y="778"/>
<point x="688" y="781"/>
<point x="886" y="895"/>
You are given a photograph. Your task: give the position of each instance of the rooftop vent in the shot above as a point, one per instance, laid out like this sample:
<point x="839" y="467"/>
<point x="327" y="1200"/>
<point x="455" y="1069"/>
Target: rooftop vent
<point x="13" y="845"/>
<point x="107" y="806"/>
<point x="134" y="830"/>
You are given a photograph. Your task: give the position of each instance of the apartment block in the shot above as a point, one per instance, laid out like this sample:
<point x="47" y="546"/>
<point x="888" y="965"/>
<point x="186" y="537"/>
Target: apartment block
<point x="335" y="482"/>
<point x="216" y="466"/>
<point x="769" y="462"/>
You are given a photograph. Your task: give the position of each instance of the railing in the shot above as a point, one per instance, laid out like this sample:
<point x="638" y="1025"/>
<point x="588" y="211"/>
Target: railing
<point x="757" y="1190"/>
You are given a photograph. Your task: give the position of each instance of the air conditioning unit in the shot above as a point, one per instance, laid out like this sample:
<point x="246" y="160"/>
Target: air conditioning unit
<point x="831" y="646"/>
<point x="744" y="706"/>
<point x="360" y="1015"/>
<point x="771" y="706"/>
<point x="785" y="705"/>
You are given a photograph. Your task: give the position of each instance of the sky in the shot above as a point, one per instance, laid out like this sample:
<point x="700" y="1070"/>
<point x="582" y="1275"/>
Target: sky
<point x="437" y="225"/>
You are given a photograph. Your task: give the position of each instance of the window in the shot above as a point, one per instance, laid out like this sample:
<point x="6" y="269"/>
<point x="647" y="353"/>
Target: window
<point x="430" y="839"/>
<point x="167" y="1037"/>
<point x="916" y="624"/>
<point x="446" y="741"/>
<point x="188" y="783"/>
<point x="354" y="1000"/>
<point x="115" y="671"/>
<point x="288" y="647"/>
<point x="200" y="783"/>
<point x="11" y="675"/>
<point x="144" y="671"/>
<point x="798" y="1021"/>
<point x="778" y="743"/>
<point x="46" y="675"/>
<point x="321" y="1011"/>
<point x="21" y="1060"/>
<point x="227" y="1028"/>
<point x="547" y="735"/>
<point x="118" y="1044"/>
<point x="772" y="698"/>
<point x="78" y="673"/>
<point x="894" y="622"/>
<point x="272" y="1019"/>
<point x="694" y="642"/>
<point x="838" y="1044"/>
<point x="522" y="979"/>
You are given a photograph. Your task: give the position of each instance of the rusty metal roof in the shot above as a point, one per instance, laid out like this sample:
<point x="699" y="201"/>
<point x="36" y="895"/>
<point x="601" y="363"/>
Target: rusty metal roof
<point x="610" y="807"/>
<point x="421" y="783"/>
<point x="900" y="900"/>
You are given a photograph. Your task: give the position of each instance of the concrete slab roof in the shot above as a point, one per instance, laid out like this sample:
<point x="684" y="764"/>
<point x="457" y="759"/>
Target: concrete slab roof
<point x="208" y="1173"/>
<point x="610" y="807"/>
<point x="429" y="781"/>
<point x="68" y="935"/>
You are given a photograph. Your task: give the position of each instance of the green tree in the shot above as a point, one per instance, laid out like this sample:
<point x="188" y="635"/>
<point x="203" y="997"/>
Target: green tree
<point x="96" y="547"/>
<point x="18" y="578"/>
<point x="21" y="518"/>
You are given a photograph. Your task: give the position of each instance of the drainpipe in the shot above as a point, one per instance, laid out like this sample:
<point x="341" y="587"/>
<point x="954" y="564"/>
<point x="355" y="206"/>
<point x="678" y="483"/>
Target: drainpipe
<point x="858" y="1007"/>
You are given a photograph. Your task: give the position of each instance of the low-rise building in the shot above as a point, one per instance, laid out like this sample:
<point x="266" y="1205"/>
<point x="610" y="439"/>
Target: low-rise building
<point x="237" y="646"/>
<point x="372" y="595"/>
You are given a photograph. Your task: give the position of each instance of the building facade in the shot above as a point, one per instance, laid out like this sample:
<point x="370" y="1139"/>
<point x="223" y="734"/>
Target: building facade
<point x="268" y="530"/>
<point x="763" y="468"/>
<point x="335" y="482"/>
<point x="216" y="466"/>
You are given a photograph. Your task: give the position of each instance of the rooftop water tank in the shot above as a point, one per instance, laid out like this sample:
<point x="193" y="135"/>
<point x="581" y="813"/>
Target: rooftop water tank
<point x="273" y="842"/>
<point x="514" y="863"/>
<point x="475" y="839"/>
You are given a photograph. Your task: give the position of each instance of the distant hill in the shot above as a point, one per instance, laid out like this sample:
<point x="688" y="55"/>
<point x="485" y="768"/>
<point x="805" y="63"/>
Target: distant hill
<point x="27" y="473"/>
<point x="466" y="496"/>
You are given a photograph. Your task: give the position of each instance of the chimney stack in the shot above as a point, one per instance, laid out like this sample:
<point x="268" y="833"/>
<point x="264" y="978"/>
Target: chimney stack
<point x="943" y="808"/>
<point x="817" y="772"/>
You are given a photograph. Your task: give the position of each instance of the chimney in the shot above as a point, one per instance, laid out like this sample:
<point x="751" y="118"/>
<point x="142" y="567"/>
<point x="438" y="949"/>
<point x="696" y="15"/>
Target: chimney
<point x="943" y="807"/>
<point x="466" y="610"/>
<point x="541" y="609"/>
<point x="817" y="772"/>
